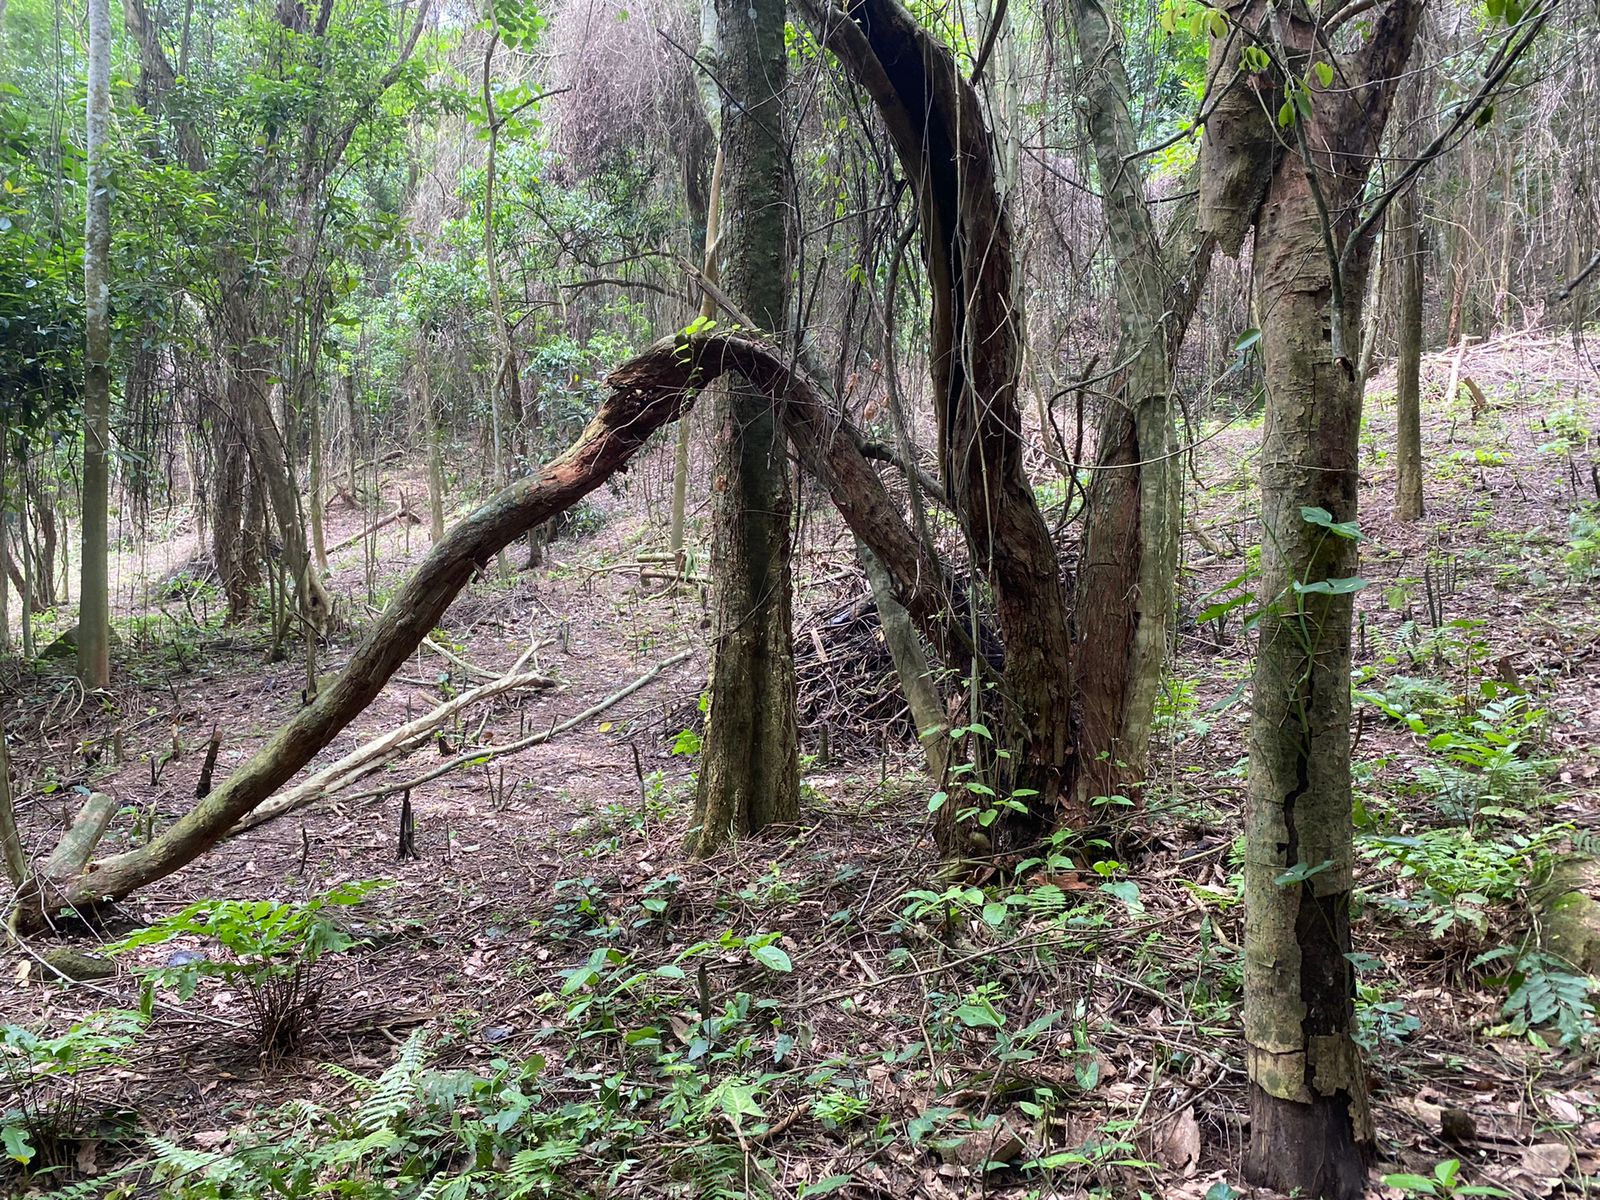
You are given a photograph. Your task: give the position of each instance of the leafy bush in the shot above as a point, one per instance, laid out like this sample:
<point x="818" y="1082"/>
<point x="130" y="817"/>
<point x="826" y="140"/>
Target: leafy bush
<point x="1488" y="765"/>
<point x="1583" y="558"/>
<point x="1456" y="875"/>
<point x="272" y="952"/>
<point x="1543" y="989"/>
<point x="50" y="1081"/>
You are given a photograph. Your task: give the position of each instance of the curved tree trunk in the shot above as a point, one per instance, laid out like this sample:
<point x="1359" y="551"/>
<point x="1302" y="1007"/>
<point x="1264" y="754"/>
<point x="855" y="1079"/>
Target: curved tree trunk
<point x="646" y="393"/>
<point x="935" y="120"/>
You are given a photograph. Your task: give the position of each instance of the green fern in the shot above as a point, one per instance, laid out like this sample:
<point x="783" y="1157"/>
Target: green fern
<point x="395" y="1091"/>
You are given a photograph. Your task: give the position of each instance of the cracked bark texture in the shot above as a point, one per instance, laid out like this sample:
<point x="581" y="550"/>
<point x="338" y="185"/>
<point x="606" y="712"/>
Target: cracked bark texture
<point x="1311" y="1128"/>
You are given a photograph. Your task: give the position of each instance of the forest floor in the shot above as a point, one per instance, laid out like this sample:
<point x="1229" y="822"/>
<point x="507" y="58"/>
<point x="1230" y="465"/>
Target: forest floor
<point x="1078" y="1030"/>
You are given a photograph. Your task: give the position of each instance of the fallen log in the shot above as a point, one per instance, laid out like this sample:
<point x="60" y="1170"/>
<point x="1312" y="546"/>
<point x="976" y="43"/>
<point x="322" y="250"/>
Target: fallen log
<point x="646" y="393"/>
<point x="401" y="513"/>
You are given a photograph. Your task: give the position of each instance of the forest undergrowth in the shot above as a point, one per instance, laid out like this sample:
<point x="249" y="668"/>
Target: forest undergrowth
<point x="548" y="996"/>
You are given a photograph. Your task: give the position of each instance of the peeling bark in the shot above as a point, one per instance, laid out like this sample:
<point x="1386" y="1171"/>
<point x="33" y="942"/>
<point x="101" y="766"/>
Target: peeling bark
<point x="1311" y="1129"/>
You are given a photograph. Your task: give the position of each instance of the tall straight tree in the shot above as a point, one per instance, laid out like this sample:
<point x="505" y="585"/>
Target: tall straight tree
<point x="94" y="592"/>
<point x="1405" y="242"/>
<point x="749" y="773"/>
<point x="1291" y="155"/>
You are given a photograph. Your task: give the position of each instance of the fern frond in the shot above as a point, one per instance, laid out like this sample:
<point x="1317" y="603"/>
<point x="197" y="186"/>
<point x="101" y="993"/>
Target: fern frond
<point x="394" y="1091"/>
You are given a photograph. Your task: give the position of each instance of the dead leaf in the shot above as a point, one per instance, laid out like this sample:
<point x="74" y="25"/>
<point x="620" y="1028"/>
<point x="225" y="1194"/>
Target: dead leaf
<point x="1547" y="1161"/>
<point x="1179" y="1145"/>
<point x="1563" y="1110"/>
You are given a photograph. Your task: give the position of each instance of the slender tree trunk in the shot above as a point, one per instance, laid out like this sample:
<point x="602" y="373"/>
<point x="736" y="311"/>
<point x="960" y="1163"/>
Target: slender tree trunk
<point x="680" y="460"/>
<point x="749" y="771"/>
<point x="435" y="427"/>
<point x="319" y="541"/>
<point x="1311" y="1129"/>
<point x="6" y="568"/>
<point x="911" y="666"/>
<point x="1406" y="240"/>
<point x="94" y="600"/>
<point x="1310" y="1123"/>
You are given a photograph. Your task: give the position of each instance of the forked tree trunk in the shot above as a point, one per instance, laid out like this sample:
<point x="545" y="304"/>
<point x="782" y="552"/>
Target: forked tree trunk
<point x="1127" y="572"/>
<point x="646" y="393"/>
<point x="936" y="122"/>
<point x="749" y="769"/>
<point x="94" y="599"/>
<point x="1311" y="1130"/>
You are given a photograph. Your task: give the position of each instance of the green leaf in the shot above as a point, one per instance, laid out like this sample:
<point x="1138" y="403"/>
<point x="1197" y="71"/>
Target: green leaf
<point x="1412" y="1183"/>
<point x="937" y="801"/>
<point x="979" y="1016"/>
<point x="1286" y="114"/>
<point x="1324" y="73"/>
<point x="824" y="1187"/>
<point x="772" y="958"/>
<point x="1331" y="587"/>
<point x="1223" y="607"/>
<point x="17" y="1145"/>
<point x="1301" y="872"/>
<point x="1128" y="892"/>
<point x="1321" y="517"/>
<point x="994" y="913"/>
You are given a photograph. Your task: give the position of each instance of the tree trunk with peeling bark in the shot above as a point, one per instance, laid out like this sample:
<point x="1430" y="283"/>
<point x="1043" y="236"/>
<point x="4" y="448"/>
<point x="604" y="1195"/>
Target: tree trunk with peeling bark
<point x="1311" y="1128"/>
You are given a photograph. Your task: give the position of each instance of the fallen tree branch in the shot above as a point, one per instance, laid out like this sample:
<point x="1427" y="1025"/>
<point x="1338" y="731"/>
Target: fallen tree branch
<point x="400" y="513"/>
<point x="469" y="668"/>
<point x="369" y="756"/>
<point x="483" y="754"/>
<point x="78" y="843"/>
